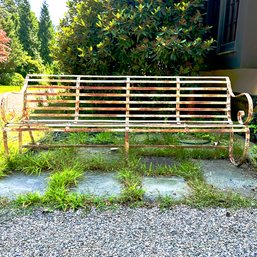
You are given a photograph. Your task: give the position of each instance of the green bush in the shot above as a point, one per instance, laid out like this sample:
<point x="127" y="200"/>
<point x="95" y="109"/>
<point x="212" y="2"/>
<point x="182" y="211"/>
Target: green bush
<point x="133" y="37"/>
<point x="30" y="66"/>
<point x="12" y="79"/>
<point x="52" y="68"/>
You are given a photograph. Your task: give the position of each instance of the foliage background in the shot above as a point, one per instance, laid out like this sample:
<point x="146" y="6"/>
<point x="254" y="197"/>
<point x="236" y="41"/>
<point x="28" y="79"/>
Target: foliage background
<point x="134" y="37"/>
<point x="140" y="37"/>
<point x="27" y="41"/>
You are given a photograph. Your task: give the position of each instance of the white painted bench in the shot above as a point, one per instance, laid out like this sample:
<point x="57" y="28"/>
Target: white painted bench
<point x="128" y="104"/>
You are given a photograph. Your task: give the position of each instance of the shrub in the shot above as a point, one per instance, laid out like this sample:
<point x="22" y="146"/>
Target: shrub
<point x="12" y="79"/>
<point x="133" y="37"/>
<point x="30" y="66"/>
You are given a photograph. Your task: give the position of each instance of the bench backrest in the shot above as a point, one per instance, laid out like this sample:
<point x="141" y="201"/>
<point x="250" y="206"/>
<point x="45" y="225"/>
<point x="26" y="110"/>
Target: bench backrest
<point x="123" y="98"/>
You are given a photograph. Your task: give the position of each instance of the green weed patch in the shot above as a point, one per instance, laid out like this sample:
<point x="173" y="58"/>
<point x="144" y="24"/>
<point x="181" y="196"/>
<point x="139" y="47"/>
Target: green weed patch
<point x="66" y="167"/>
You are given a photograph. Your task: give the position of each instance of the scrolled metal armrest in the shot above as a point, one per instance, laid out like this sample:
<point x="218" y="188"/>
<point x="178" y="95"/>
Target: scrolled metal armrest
<point x="7" y="116"/>
<point x="241" y="113"/>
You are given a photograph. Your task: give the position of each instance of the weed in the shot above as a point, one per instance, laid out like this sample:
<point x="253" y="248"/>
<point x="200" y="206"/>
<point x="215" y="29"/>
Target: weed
<point x="159" y="170"/>
<point x="74" y="201"/>
<point x="206" y="196"/>
<point x="29" y="199"/>
<point x="4" y="202"/>
<point x="165" y="202"/>
<point x="188" y="170"/>
<point x="132" y="191"/>
<point x="35" y="163"/>
<point x="65" y="179"/>
<point x="99" y="161"/>
<point x="253" y="155"/>
<point x="61" y="199"/>
<point x="127" y="177"/>
<point x="78" y="138"/>
<point x="3" y="167"/>
<point x="30" y="163"/>
<point x="103" y="138"/>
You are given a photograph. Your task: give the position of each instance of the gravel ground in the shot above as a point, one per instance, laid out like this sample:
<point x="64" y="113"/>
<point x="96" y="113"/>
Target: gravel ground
<point x="130" y="232"/>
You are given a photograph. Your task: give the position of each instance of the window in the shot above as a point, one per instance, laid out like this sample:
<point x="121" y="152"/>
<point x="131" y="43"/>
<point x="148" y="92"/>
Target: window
<point x="227" y="25"/>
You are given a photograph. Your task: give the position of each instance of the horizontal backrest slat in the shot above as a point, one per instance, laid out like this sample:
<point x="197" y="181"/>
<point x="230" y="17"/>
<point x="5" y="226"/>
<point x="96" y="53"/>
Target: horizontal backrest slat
<point x="133" y="98"/>
<point x="96" y="102"/>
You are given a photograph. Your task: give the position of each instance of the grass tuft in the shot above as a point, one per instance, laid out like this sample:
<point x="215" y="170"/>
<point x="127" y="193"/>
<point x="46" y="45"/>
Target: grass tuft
<point x="132" y="191"/>
<point x="206" y="196"/>
<point x="28" y="200"/>
<point x="66" y="178"/>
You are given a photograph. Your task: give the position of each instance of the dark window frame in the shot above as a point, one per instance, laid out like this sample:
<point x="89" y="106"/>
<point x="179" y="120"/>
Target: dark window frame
<point x="228" y="23"/>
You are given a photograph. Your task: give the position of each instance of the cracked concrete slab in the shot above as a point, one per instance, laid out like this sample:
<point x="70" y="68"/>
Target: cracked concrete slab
<point x="220" y="173"/>
<point x="225" y="176"/>
<point x="99" y="184"/>
<point x="16" y="184"/>
<point x="175" y="187"/>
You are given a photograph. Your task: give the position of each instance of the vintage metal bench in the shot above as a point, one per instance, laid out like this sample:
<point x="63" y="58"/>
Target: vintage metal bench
<point x="127" y="104"/>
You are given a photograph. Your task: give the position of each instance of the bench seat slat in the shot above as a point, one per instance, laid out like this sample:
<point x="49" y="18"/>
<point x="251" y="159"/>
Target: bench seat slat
<point x="122" y="102"/>
<point x="180" y="95"/>
<point x="139" y="88"/>
<point x="121" y="121"/>
<point x="175" y="82"/>
<point x="50" y="108"/>
<point x="179" y="89"/>
<point x="50" y="87"/>
<point x="130" y="125"/>
<point x="124" y="95"/>
<point x="132" y="95"/>
<point x="130" y="115"/>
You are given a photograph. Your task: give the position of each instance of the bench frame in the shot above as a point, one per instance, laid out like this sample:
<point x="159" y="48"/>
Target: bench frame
<point x="127" y="125"/>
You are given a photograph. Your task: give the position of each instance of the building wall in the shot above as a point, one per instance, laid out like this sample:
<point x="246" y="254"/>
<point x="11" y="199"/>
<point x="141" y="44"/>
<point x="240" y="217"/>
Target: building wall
<point x="242" y="80"/>
<point x="249" y="34"/>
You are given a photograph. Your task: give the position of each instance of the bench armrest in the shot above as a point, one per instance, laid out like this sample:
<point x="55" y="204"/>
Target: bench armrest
<point x="9" y="114"/>
<point x="241" y="113"/>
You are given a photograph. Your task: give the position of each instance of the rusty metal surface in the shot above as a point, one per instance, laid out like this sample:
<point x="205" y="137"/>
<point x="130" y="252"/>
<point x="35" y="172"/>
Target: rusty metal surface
<point x="127" y="104"/>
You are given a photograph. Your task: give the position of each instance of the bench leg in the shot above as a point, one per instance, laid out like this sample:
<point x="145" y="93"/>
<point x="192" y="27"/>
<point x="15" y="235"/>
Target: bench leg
<point x="246" y="147"/>
<point x="20" y="141"/>
<point x="5" y="140"/>
<point x="31" y="137"/>
<point x="126" y="145"/>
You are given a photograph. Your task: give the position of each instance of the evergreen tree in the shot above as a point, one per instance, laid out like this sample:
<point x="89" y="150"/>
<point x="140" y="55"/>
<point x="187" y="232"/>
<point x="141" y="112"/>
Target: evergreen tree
<point x="45" y="33"/>
<point x="28" y="29"/>
<point x="9" y="17"/>
<point x="9" y="22"/>
<point x="18" y="61"/>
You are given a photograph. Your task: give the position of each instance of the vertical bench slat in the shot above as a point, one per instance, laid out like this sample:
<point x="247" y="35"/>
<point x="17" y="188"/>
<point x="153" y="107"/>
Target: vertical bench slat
<point x="77" y="99"/>
<point x="24" y="109"/>
<point x="127" y="116"/>
<point x="178" y="101"/>
<point x="228" y="101"/>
